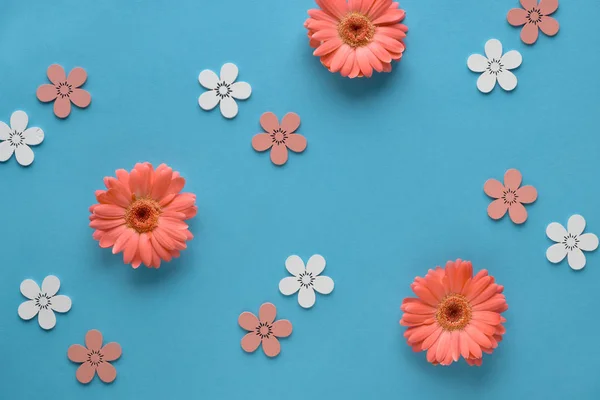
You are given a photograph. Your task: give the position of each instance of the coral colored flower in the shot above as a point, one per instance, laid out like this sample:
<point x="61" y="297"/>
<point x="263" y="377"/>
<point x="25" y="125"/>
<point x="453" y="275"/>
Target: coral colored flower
<point x="355" y="37"/>
<point x="534" y="17"/>
<point x="455" y="314"/>
<point x="509" y="197"/>
<point x="279" y="138"/>
<point x="64" y="91"/>
<point x="142" y="214"/>
<point x="264" y="330"/>
<point x="95" y="358"/>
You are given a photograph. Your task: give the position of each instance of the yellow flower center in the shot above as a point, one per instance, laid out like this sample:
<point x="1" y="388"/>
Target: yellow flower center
<point x="356" y="30"/>
<point x="454" y="312"/>
<point x="142" y="215"/>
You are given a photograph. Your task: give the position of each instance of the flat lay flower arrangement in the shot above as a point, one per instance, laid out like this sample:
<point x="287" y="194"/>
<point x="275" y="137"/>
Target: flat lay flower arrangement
<point x="215" y="226"/>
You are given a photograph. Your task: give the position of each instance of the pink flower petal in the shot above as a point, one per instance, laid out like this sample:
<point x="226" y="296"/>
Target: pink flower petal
<point x="81" y="98"/>
<point x="518" y="213"/>
<point x="106" y="372"/>
<point x="517" y="17"/>
<point x="77" y="77"/>
<point x="269" y="122"/>
<point x="527" y="194"/>
<point x="77" y="353"/>
<point x="271" y="346"/>
<point x="262" y="142"/>
<point x="334" y="8"/>
<point x="112" y="351"/>
<point x="248" y="321"/>
<point x="497" y="209"/>
<point x="93" y="340"/>
<point x="267" y="313"/>
<point x="328" y="47"/>
<point x="56" y="74"/>
<point x="46" y="93"/>
<point x="85" y="373"/>
<point x="282" y="328"/>
<point x="529" y="4"/>
<point x="529" y="33"/>
<point x="250" y="342"/>
<point x="279" y="154"/>
<point x="290" y="122"/>
<point x="549" y="26"/>
<point x="547" y="7"/>
<point x="62" y="107"/>
<point x="296" y="143"/>
<point x="512" y="179"/>
<point x="493" y="188"/>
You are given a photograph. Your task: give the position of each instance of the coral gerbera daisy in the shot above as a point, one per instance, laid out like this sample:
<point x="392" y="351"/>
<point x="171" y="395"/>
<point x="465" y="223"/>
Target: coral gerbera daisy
<point x="355" y="37"/>
<point x="142" y="214"/>
<point x="455" y="314"/>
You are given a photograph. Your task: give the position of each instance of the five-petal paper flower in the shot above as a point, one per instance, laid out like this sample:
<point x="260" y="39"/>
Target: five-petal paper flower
<point x="264" y="330"/>
<point x="223" y="90"/>
<point x="64" y="90"/>
<point x="305" y="280"/>
<point x="17" y="139"/>
<point x="279" y="138"/>
<point x="534" y="17"/>
<point x="509" y="196"/>
<point x="495" y="67"/>
<point x="43" y="302"/>
<point x="95" y="358"/>
<point x="570" y="242"/>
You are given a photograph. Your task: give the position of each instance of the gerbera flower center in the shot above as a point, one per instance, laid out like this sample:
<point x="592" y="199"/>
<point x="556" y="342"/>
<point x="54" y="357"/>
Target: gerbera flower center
<point x="356" y="30"/>
<point x="454" y="312"/>
<point x="534" y="16"/>
<point x="509" y="197"/>
<point x="571" y="242"/>
<point x="142" y="215"/>
<point x="264" y="330"/>
<point x="279" y="136"/>
<point x="64" y="89"/>
<point x="306" y="279"/>
<point x="95" y="358"/>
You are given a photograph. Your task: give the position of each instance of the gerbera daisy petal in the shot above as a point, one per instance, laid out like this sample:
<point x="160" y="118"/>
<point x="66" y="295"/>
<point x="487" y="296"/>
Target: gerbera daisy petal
<point x="378" y="8"/>
<point x="322" y="16"/>
<point x="328" y="46"/>
<point x="390" y="16"/>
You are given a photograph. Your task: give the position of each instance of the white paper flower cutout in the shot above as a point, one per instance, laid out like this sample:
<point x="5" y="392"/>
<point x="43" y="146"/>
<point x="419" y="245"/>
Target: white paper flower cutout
<point x="17" y="139"/>
<point x="43" y="302"/>
<point x="306" y="280"/>
<point x="495" y="67"/>
<point x="223" y="90"/>
<point x="570" y="242"/>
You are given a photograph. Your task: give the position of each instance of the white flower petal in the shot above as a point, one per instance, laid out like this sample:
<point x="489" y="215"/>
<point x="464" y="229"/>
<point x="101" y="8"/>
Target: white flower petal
<point x="294" y="265"/>
<point x="556" y="253"/>
<point x="229" y="73"/>
<point x="24" y="155"/>
<point x="556" y="232"/>
<point x="6" y="151"/>
<point x="30" y="289"/>
<point x="477" y="63"/>
<point x="28" y="310"/>
<point x="576" y="225"/>
<point x="19" y="121"/>
<point x="576" y="259"/>
<point x="588" y="242"/>
<point x="486" y="82"/>
<point x="241" y="90"/>
<point x="46" y="318"/>
<point x="60" y="303"/>
<point x="208" y="79"/>
<point x="315" y="264"/>
<point x="306" y="297"/>
<point x="323" y="284"/>
<point x="33" y="136"/>
<point x="507" y="80"/>
<point x="512" y="59"/>
<point x="229" y="108"/>
<point x="493" y="49"/>
<point x="289" y="285"/>
<point x="208" y="100"/>
<point x="50" y="285"/>
<point x="4" y="131"/>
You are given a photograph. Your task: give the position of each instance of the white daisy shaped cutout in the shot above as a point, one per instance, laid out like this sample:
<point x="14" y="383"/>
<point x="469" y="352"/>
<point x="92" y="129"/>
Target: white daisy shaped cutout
<point x="16" y="139"/>
<point x="43" y="302"/>
<point x="223" y="90"/>
<point x="495" y="67"/>
<point x="571" y="242"/>
<point x="305" y="280"/>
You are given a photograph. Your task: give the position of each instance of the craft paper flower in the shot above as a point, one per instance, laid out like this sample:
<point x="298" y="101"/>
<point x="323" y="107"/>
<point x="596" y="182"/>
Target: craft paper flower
<point x="264" y="330"/>
<point x="455" y="314"/>
<point x="95" y="358"/>
<point x="570" y="242"/>
<point x="142" y="214"/>
<point x="17" y="139"/>
<point x="509" y="197"/>
<point x="355" y="37"/>
<point x="534" y="17"/>
<point x="279" y="138"/>
<point x="223" y="90"/>
<point x="305" y="280"/>
<point x="64" y="90"/>
<point x="43" y="302"/>
<point x="495" y="67"/>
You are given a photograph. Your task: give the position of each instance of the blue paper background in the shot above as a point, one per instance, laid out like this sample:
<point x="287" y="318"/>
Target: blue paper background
<point x="390" y="185"/>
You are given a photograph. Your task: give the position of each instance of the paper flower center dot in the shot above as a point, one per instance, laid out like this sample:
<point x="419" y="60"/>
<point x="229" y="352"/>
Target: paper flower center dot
<point x="571" y="242"/>
<point x="494" y="66"/>
<point x="454" y="312"/>
<point x="223" y="89"/>
<point x="142" y="215"/>
<point x="306" y="279"/>
<point x="356" y="30"/>
<point x="16" y="139"/>
<point x="264" y="330"/>
<point x="95" y="358"/>
<point x="42" y="301"/>
<point x="510" y="197"/>
<point x="534" y="16"/>
<point x="64" y="89"/>
<point x="279" y="136"/>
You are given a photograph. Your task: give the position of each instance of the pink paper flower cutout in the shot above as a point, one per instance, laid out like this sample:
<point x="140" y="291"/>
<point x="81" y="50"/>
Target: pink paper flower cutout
<point x="279" y="138"/>
<point x="64" y="91"/>
<point x="509" y="197"/>
<point x="264" y="329"/>
<point x="95" y="358"/>
<point x="534" y="16"/>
